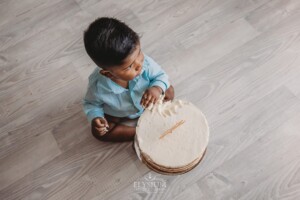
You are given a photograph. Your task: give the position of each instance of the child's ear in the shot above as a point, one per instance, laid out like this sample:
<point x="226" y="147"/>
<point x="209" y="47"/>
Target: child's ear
<point x="106" y="73"/>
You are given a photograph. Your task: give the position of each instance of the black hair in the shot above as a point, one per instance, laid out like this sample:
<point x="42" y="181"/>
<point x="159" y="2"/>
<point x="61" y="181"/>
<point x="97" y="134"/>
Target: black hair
<point x="109" y="41"/>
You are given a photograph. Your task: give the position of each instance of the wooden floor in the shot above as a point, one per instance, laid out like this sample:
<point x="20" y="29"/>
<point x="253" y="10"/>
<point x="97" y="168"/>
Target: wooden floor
<point x="237" y="60"/>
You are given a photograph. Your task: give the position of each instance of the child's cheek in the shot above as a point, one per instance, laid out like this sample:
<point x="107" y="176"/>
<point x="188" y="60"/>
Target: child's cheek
<point x="141" y="61"/>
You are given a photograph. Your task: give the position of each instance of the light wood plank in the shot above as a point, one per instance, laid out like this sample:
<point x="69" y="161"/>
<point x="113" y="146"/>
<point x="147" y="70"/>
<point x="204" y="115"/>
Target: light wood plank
<point x="31" y="156"/>
<point x="65" y="169"/>
<point x="256" y="163"/>
<point x="272" y="13"/>
<point x="284" y="184"/>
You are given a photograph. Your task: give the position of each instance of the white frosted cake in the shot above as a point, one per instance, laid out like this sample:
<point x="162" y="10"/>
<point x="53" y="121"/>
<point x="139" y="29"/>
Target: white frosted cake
<point x="172" y="137"/>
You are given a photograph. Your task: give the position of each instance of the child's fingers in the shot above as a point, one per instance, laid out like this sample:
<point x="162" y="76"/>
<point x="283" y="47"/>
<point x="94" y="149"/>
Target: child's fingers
<point x="148" y="102"/>
<point x="143" y="102"/>
<point x="102" y="131"/>
<point x="153" y="101"/>
<point x="145" y="96"/>
<point x="104" y="123"/>
<point x="98" y="122"/>
<point x="150" y="99"/>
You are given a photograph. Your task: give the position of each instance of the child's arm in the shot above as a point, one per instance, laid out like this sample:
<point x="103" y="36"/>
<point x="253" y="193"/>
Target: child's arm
<point x="159" y="82"/>
<point x="92" y="108"/>
<point x="157" y="75"/>
<point x="94" y="111"/>
<point x="102" y="128"/>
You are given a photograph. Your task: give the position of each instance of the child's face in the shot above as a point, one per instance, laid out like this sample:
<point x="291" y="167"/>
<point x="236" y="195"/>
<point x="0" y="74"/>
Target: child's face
<point x="131" y="67"/>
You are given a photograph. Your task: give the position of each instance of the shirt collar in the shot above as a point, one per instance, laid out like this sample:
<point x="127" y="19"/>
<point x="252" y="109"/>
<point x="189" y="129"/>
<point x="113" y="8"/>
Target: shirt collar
<point x="116" y="88"/>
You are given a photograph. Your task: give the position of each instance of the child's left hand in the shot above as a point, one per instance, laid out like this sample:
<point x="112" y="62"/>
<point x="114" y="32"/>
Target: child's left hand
<point x="151" y="95"/>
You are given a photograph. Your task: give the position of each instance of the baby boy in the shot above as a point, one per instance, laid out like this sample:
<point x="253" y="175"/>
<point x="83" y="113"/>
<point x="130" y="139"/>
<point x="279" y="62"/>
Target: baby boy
<point x="124" y="83"/>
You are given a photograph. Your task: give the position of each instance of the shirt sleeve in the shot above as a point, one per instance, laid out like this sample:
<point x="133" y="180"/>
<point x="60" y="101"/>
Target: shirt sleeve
<point x="157" y="75"/>
<point x="92" y="106"/>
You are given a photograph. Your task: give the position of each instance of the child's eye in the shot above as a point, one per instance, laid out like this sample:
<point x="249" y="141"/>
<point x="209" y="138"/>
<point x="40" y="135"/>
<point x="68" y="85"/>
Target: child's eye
<point x="128" y="68"/>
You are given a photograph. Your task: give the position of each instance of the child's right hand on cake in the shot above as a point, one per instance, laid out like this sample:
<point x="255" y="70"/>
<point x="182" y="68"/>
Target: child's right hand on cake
<point x="151" y="96"/>
<point x="101" y="125"/>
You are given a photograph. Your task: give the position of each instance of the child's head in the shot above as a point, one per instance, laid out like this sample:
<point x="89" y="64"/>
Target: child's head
<point x="114" y="47"/>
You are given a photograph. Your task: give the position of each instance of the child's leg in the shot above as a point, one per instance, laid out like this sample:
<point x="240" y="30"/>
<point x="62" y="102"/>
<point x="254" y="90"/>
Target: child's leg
<point x="117" y="132"/>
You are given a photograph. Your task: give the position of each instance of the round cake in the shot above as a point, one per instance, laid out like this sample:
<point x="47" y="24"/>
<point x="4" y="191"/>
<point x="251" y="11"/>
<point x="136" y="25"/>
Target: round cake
<point x="171" y="137"/>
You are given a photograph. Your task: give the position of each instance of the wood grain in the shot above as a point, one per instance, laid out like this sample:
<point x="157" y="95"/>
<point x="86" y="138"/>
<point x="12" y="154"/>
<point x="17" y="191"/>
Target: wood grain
<point x="237" y="60"/>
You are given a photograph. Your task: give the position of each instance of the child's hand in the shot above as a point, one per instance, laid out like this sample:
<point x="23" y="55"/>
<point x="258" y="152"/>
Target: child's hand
<point x="100" y="124"/>
<point x="151" y="95"/>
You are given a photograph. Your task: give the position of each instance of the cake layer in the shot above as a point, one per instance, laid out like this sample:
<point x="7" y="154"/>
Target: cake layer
<point x="173" y="171"/>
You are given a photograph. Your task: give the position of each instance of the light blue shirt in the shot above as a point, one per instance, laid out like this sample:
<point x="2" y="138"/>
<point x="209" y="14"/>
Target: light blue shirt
<point x="105" y="96"/>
